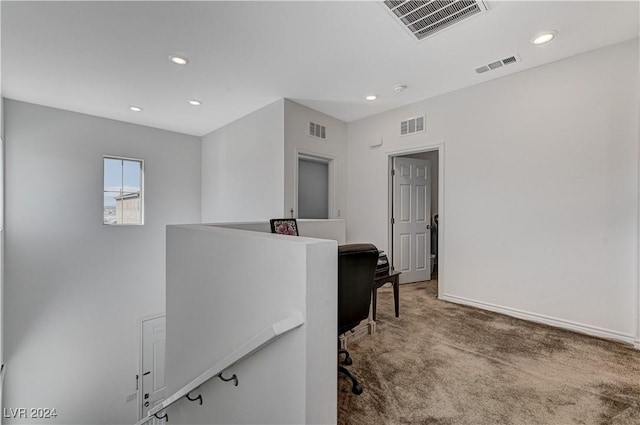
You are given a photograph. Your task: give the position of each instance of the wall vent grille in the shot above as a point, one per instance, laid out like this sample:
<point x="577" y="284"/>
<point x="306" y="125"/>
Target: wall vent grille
<point x="317" y="130"/>
<point x="423" y="18"/>
<point x="498" y="64"/>
<point x="412" y="125"/>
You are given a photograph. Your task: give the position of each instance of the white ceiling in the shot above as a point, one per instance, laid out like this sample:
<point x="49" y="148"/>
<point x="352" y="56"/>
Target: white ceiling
<point x="100" y="57"/>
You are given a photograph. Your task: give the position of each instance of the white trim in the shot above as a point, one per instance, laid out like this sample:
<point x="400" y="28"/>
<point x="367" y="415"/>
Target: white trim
<point x="333" y="179"/>
<point x="140" y="372"/>
<point x="142" y="191"/>
<point x="547" y="320"/>
<point x="437" y="146"/>
<point x="416" y="149"/>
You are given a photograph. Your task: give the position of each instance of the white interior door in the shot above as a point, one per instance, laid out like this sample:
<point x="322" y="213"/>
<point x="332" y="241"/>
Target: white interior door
<point x="411" y="219"/>
<point x="153" y="363"/>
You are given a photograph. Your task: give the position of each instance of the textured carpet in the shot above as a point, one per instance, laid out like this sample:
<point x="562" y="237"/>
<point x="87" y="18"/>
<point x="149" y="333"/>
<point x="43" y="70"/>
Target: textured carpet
<point x="442" y="363"/>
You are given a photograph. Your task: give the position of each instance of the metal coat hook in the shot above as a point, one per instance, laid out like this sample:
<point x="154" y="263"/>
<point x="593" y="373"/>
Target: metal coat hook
<point x="165" y="417"/>
<point x="233" y="378"/>
<point x="195" y="399"/>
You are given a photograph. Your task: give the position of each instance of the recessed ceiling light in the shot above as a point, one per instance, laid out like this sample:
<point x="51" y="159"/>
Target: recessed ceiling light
<point x="135" y="108"/>
<point x="195" y="102"/>
<point x="179" y="60"/>
<point x="371" y="97"/>
<point x="543" y="37"/>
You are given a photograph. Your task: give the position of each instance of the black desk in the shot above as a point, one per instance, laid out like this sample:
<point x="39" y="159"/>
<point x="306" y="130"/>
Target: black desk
<point x="392" y="277"/>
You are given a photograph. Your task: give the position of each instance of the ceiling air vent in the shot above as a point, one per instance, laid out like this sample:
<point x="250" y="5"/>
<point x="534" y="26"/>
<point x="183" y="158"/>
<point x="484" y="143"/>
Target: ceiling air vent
<point x="497" y="64"/>
<point x="423" y="18"/>
<point x="411" y="126"/>
<point x="317" y="130"/>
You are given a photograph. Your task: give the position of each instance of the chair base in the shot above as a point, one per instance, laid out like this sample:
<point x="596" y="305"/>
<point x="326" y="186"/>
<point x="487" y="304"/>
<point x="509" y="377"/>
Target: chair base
<point x="347" y="358"/>
<point x="356" y="388"/>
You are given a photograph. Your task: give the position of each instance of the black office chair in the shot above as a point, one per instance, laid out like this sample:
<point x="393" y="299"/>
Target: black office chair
<point x="356" y="270"/>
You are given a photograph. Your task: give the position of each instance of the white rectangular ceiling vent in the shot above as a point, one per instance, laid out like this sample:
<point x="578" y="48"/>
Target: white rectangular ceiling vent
<point x="497" y="64"/>
<point x="423" y="18"/>
<point x="317" y="130"/>
<point x="412" y="125"/>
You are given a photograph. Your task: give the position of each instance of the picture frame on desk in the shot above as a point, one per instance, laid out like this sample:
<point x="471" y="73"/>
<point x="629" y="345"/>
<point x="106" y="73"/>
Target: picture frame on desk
<point x="284" y="226"/>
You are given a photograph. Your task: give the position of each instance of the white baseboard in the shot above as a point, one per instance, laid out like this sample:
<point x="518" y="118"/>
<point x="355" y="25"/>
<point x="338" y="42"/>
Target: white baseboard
<point x="547" y="320"/>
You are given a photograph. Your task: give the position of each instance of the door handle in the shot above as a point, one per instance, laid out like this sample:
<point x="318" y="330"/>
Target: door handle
<point x="146" y="404"/>
<point x="428" y="226"/>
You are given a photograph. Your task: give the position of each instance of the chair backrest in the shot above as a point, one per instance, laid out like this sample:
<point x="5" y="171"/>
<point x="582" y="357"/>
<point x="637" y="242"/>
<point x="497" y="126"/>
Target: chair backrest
<point x="356" y="270"/>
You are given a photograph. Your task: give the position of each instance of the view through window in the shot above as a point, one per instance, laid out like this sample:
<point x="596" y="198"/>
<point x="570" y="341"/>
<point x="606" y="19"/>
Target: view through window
<point x="123" y="191"/>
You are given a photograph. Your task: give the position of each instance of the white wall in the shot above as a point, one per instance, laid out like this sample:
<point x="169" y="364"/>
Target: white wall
<point x="74" y="287"/>
<point x="540" y="214"/>
<point x="2" y="161"/>
<point x="242" y="168"/>
<point x="297" y="140"/>
<point x="637" y="341"/>
<point x="224" y="286"/>
<point x="249" y="166"/>
<point x="1" y="115"/>
<point x="333" y="229"/>
<point x="1" y="224"/>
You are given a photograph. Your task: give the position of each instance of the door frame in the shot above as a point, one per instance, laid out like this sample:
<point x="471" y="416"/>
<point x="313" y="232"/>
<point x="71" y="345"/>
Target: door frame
<point x="437" y="146"/>
<point x="140" y="372"/>
<point x="333" y="178"/>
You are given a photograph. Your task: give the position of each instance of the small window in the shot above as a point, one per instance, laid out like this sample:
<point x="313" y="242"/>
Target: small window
<point x="123" y="203"/>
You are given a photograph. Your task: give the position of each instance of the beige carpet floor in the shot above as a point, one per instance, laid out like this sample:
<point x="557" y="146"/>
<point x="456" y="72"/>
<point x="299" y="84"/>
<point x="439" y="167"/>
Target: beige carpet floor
<point x="442" y="363"/>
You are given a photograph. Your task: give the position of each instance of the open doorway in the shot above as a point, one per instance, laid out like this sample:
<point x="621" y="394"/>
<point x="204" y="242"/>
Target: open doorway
<point x="314" y="187"/>
<point x="415" y="209"/>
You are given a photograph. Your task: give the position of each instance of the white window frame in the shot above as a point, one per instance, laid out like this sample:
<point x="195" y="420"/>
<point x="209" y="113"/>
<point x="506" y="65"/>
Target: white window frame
<point x="123" y="158"/>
